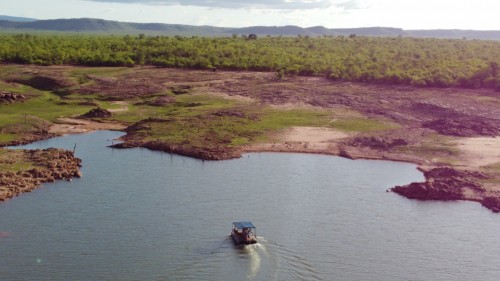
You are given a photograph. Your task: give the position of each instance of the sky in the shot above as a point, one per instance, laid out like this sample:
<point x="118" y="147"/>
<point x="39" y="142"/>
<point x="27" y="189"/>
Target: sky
<point x="406" y="14"/>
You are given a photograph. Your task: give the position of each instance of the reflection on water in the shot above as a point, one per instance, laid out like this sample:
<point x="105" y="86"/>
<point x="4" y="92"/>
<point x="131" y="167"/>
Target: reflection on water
<point x="143" y="215"/>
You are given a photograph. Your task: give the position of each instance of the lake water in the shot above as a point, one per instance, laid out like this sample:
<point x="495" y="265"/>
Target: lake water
<point x="143" y="215"/>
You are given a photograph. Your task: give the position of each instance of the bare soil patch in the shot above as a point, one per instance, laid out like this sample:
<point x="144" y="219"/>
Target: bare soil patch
<point x="77" y="126"/>
<point x="303" y="139"/>
<point x="125" y="87"/>
<point x="480" y="151"/>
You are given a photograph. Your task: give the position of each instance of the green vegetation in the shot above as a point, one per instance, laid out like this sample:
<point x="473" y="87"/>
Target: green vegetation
<point x="406" y="61"/>
<point x="184" y="106"/>
<point x="436" y="147"/>
<point x="362" y="125"/>
<point x="13" y="161"/>
<point x="190" y="117"/>
<point x="12" y="126"/>
<point x="215" y="121"/>
<point x="47" y="106"/>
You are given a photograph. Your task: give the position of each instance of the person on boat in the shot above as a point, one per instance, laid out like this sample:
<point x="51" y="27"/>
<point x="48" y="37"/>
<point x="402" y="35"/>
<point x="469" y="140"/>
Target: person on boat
<point x="247" y="233"/>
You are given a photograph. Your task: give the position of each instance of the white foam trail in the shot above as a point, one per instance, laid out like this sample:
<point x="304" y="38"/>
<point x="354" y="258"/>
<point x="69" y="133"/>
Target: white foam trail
<point x="296" y="264"/>
<point x="254" y="261"/>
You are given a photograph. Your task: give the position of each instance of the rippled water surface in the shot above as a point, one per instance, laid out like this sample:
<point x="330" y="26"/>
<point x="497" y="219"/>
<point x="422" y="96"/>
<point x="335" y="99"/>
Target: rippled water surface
<point x="143" y="215"/>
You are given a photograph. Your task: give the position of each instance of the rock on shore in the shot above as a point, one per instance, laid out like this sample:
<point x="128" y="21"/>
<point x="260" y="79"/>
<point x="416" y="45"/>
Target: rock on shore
<point x="97" y="113"/>
<point x="447" y="184"/>
<point x="9" y="97"/>
<point x="492" y="203"/>
<point x="48" y="165"/>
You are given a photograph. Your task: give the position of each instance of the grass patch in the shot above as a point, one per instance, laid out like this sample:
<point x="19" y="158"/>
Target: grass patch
<point x="183" y="107"/>
<point x="15" y="126"/>
<point x="79" y="74"/>
<point x="218" y="124"/>
<point x="13" y="161"/>
<point x="442" y="148"/>
<point x="20" y="88"/>
<point x="278" y="119"/>
<point x="47" y="106"/>
<point x="362" y="125"/>
<point x="439" y="153"/>
<point x="6" y="139"/>
<point x="35" y="115"/>
<point x="8" y="70"/>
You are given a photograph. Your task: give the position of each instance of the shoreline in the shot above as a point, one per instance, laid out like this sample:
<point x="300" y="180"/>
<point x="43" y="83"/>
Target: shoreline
<point x="329" y="144"/>
<point x="442" y="182"/>
<point x="219" y="115"/>
<point x="51" y="164"/>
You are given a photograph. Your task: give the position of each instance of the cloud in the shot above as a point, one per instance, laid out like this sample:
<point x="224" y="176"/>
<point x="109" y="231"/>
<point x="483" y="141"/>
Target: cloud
<point x="349" y="5"/>
<point x="256" y="4"/>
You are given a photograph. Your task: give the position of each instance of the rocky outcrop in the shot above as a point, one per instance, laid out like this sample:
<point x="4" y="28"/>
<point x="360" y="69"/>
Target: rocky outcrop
<point x="443" y="184"/>
<point x="97" y="113"/>
<point x="50" y="165"/>
<point x="9" y="97"/>
<point x="442" y="189"/>
<point x="447" y="184"/>
<point x="492" y="203"/>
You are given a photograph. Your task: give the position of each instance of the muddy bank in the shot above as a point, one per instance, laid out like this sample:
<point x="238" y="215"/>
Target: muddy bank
<point x="48" y="165"/>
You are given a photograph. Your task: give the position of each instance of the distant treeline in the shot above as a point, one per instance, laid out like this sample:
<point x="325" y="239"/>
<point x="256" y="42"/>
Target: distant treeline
<point x="406" y="61"/>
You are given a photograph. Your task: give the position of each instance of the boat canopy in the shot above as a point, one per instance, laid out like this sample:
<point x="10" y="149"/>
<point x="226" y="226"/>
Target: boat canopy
<point x="243" y="224"/>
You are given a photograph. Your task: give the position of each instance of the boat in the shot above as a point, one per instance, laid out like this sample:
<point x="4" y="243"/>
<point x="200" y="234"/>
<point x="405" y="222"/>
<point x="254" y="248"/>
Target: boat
<point x="244" y="233"/>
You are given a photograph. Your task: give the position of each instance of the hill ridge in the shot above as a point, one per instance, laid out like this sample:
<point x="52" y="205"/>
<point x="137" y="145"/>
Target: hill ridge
<point x="95" y="25"/>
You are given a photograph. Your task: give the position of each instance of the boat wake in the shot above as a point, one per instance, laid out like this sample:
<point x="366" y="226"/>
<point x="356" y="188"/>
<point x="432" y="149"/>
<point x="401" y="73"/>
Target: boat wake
<point x="265" y="260"/>
<point x="290" y="263"/>
<point x="204" y="262"/>
<point x="252" y="254"/>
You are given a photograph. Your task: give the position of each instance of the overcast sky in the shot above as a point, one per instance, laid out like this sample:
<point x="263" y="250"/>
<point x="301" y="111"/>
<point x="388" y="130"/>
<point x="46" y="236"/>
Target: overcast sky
<point x="407" y="14"/>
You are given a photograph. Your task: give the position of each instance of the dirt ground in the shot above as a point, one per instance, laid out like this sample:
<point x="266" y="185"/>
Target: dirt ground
<point x="480" y="152"/>
<point x="303" y="139"/>
<point x="76" y="126"/>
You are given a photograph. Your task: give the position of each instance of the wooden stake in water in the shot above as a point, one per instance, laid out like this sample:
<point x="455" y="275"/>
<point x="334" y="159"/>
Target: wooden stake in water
<point x="74" y="148"/>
